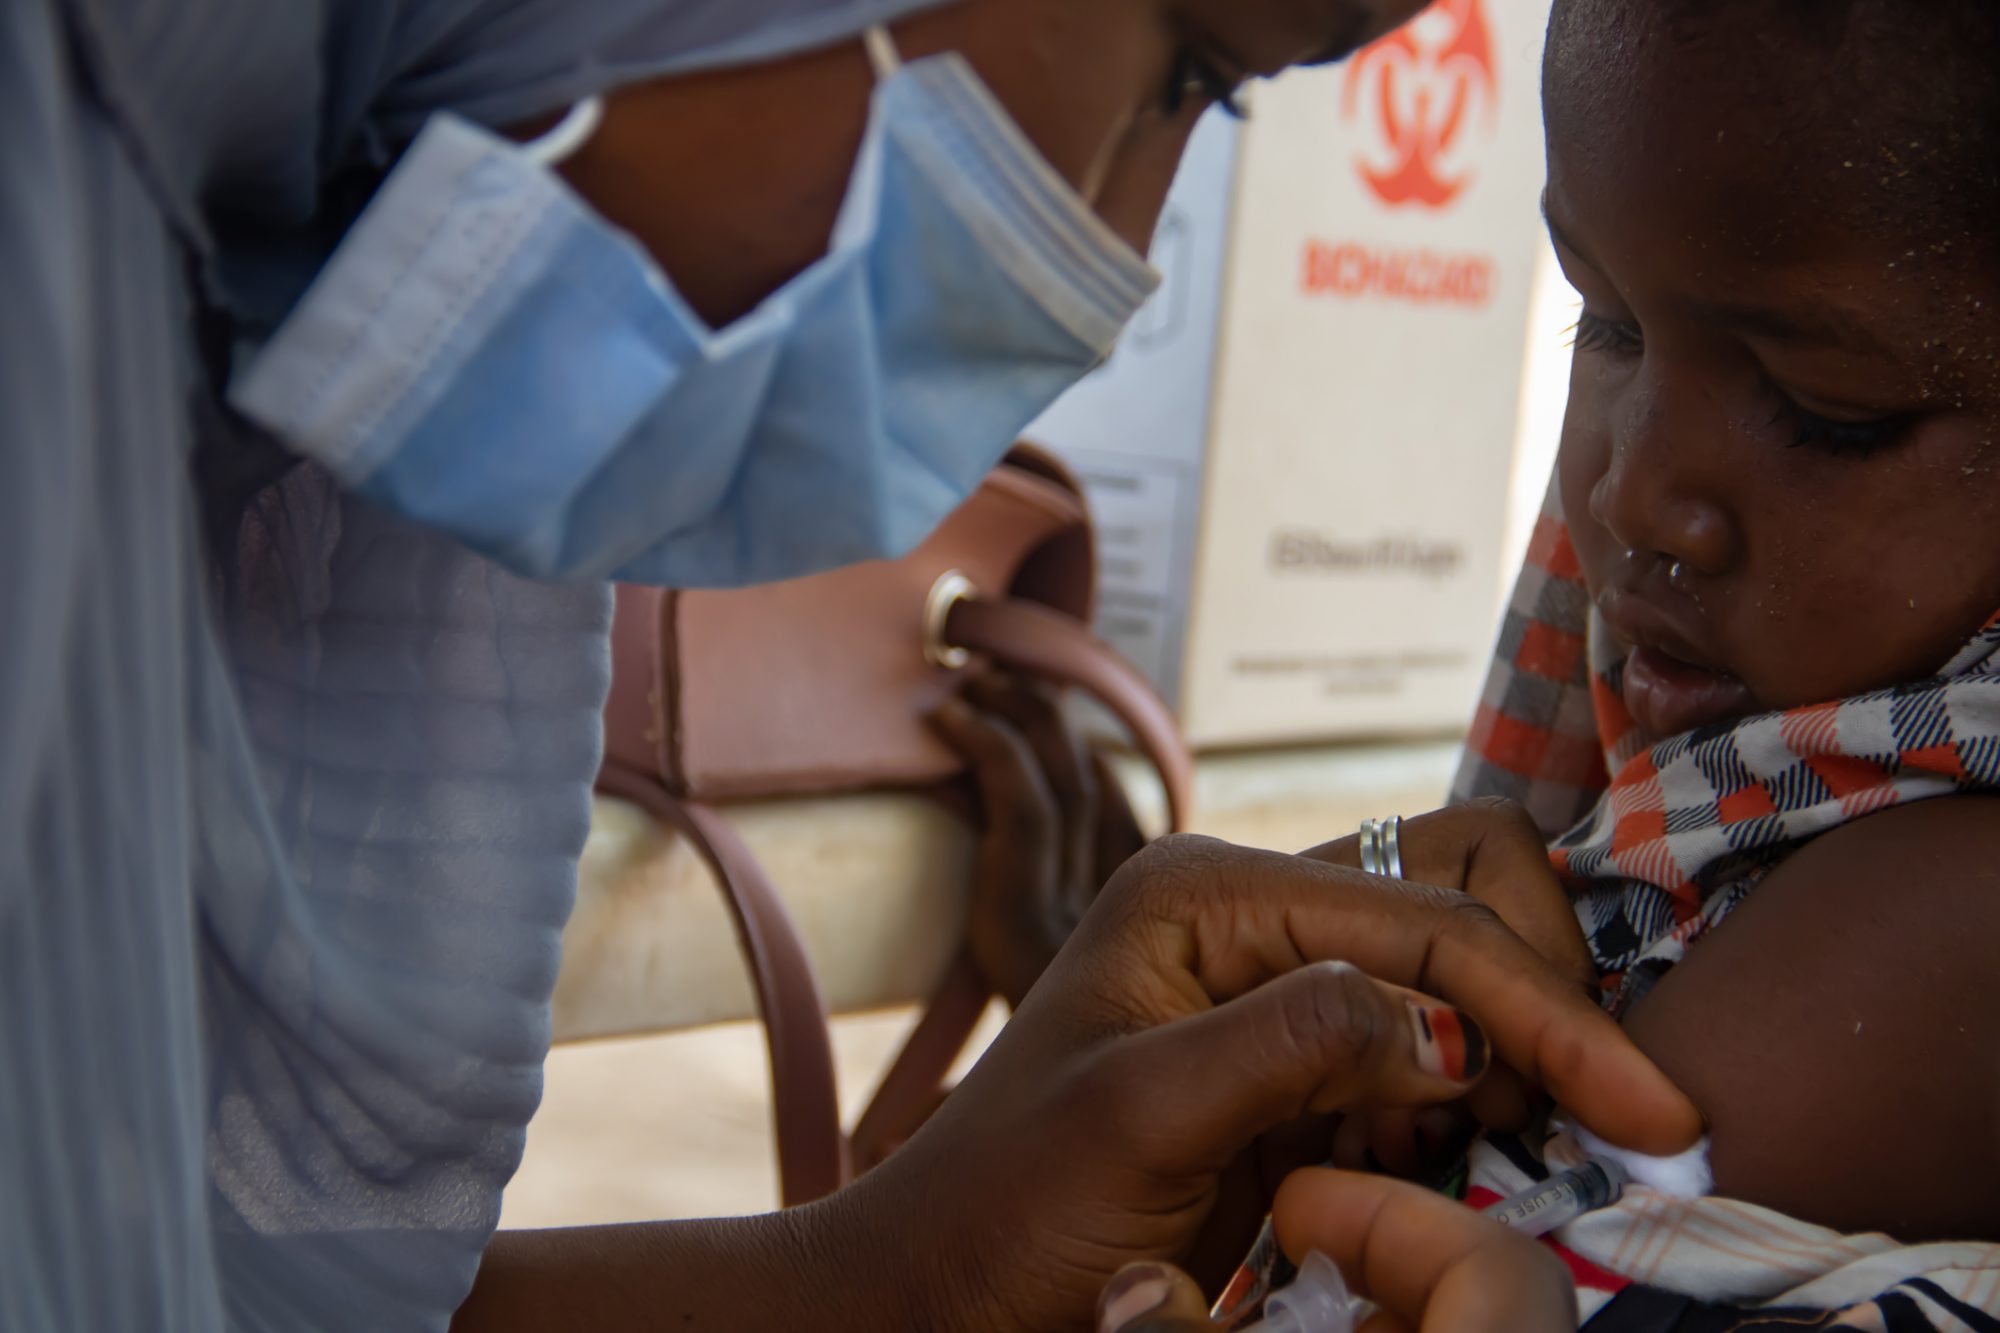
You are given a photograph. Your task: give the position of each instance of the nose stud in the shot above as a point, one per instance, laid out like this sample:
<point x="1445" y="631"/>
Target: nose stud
<point x="1676" y="571"/>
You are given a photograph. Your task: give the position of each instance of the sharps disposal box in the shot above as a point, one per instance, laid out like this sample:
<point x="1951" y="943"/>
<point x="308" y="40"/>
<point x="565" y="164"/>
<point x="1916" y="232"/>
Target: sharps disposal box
<point x="1300" y="455"/>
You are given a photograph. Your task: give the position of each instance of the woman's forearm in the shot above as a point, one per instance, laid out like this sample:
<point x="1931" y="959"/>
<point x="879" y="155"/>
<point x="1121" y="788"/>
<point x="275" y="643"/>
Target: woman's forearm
<point x="814" y="1268"/>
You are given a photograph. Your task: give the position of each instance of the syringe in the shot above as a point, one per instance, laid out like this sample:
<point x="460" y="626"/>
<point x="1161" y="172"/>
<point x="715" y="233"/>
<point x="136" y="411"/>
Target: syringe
<point x="1562" y="1198"/>
<point x="1318" y="1302"/>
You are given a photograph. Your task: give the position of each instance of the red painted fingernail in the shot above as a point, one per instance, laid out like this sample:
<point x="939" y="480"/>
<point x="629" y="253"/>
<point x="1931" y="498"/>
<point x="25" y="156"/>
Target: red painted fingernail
<point x="1449" y="1043"/>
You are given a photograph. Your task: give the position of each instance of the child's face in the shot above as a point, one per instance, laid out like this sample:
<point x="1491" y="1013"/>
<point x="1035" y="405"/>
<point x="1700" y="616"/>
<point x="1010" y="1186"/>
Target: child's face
<point x="1779" y="464"/>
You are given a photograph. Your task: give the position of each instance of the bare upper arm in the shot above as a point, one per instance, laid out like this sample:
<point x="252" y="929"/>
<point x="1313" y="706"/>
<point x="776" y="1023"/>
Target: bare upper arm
<point x="1838" y="1030"/>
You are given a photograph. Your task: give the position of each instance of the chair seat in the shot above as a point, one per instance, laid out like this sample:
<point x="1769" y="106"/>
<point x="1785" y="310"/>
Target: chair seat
<point x="878" y="882"/>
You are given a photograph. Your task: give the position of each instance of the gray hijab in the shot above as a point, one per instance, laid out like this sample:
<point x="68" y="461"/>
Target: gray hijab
<point x="288" y="820"/>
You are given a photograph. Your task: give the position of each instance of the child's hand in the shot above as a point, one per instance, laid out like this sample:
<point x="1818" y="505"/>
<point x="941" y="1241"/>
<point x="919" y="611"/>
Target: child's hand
<point x="1057" y="825"/>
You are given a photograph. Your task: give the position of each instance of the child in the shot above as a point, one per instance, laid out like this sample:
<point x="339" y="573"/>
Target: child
<point x="1750" y="683"/>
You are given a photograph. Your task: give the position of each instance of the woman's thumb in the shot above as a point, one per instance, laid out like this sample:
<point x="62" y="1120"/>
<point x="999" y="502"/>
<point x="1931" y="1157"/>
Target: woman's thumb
<point x="1151" y="1298"/>
<point x="1324" y="1038"/>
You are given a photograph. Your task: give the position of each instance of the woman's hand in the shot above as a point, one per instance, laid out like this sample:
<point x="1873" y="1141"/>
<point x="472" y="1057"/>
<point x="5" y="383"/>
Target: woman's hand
<point x="1056" y="826"/>
<point x="1212" y="995"/>
<point x="1430" y="1264"/>
<point x="1491" y="850"/>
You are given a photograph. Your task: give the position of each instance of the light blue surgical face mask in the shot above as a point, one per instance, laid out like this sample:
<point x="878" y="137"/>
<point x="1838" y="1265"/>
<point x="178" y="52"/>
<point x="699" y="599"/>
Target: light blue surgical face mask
<point x="486" y="355"/>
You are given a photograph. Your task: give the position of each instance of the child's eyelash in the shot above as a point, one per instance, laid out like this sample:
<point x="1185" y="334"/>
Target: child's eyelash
<point x="1594" y="333"/>
<point x="1855" y="439"/>
<point x="1194" y="77"/>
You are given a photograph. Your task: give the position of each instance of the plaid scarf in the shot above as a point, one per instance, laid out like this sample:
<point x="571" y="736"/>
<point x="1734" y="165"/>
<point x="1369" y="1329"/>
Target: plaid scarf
<point x="1660" y="839"/>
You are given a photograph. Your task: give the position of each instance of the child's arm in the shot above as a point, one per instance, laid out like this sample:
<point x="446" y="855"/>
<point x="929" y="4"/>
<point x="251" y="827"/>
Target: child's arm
<point x="1839" y="1029"/>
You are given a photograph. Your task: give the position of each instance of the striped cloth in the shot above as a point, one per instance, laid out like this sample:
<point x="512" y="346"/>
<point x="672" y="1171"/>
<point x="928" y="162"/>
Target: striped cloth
<point x="1659" y="839"/>
<point x="1653" y="1263"/>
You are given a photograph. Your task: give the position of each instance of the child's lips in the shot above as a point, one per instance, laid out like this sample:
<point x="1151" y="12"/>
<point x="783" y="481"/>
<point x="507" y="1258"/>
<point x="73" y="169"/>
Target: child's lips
<point x="1670" y="686"/>
<point x="1667" y="696"/>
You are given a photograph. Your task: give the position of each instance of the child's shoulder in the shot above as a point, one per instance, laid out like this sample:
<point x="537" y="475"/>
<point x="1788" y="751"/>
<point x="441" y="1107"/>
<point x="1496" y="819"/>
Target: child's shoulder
<point x="1837" y="1029"/>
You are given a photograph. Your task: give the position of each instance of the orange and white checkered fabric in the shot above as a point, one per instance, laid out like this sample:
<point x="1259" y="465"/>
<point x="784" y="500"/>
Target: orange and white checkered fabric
<point x="1660" y="838"/>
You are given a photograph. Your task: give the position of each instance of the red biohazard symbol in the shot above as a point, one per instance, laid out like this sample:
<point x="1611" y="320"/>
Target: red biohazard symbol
<point x="1426" y="80"/>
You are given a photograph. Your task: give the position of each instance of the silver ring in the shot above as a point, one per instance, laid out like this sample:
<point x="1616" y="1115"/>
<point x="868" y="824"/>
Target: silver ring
<point x="1382" y="847"/>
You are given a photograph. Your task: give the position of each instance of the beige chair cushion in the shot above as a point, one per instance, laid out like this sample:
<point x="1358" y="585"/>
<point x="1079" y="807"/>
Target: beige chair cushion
<point x="877" y="884"/>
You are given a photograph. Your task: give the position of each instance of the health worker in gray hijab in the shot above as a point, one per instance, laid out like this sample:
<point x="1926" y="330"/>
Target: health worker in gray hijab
<point x="347" y="348"/>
